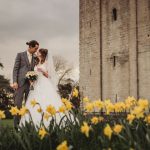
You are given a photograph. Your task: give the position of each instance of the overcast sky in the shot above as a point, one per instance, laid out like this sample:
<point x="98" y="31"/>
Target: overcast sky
<point x="54" y="23"/>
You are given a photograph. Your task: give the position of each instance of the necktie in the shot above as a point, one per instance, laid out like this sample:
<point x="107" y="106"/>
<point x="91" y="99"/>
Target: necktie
<point x="32" y="65"/>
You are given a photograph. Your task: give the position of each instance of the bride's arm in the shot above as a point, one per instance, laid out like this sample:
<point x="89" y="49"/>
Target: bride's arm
<point x="45" y="73"/>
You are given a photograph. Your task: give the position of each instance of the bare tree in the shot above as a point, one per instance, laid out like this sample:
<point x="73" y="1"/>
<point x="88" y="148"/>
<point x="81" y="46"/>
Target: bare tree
<point x="1" y="65"/>
<point x="62" y="67"/>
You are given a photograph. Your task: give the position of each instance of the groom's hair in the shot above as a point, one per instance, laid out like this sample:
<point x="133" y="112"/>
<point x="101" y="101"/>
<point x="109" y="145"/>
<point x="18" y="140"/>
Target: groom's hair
<point x="32" y="43"/>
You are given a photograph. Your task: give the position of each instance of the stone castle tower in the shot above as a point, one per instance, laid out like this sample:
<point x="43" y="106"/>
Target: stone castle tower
<point x="115" y="49"/>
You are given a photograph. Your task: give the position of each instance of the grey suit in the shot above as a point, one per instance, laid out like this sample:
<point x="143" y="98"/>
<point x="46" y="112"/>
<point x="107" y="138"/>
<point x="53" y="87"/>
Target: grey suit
<point x="21" y="67"/>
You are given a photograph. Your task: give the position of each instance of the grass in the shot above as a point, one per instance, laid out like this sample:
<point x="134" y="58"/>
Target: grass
<point x="6" y="123"/>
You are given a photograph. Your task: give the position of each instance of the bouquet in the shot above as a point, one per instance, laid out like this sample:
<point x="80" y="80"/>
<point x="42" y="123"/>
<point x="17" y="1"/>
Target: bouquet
<point x="31" y="76"/>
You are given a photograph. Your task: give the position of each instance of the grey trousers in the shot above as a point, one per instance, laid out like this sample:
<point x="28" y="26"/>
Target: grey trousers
<point x="20" y="94"/>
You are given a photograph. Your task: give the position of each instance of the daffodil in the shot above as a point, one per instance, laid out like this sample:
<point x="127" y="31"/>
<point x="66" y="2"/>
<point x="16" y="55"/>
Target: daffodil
<point x="89" y="107"/>
<point x="138" y="112"/>
<point x="64" y="100"/>
<point x="62" y="109"/>
<point x="147" y="119"/>
<point x="85" y="129"/>
<point x="86" y="99"/>
<point x="130" y="102"/>
<point x="95" y="120"/>
<point x="108" y="131"/>
<point x="119" y="107"/>
<point x="107" y="101"/>
<point x="14" y="110"/>
<point x="130" y="118"/>
<point x="143" y="103"/>
<point x="63" y="146"/>
<point x="109" y="108"/>
<point x="117" y="128"/>
<point x="98" y="104"/>
<point x="33" y="102"/>
<point x="67" y="104"/>
<point x="75" y="92"/>
<point x="2" y="115"/>
<point x="39" y="110"/>
<point x="42" y="132"/>
<point x="46" y="116"/>
<point x="23" y="111"/>
<point x="51" y="110"/>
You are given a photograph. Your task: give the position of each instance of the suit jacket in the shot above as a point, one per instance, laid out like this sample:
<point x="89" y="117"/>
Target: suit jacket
<point x="21" y="67"/>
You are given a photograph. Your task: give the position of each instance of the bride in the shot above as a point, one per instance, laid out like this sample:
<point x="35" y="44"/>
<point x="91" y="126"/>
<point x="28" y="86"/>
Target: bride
<point x="45" y="90"/>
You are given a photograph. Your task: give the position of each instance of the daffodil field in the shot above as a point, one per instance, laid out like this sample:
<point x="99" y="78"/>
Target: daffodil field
<point x="99" y="125"/>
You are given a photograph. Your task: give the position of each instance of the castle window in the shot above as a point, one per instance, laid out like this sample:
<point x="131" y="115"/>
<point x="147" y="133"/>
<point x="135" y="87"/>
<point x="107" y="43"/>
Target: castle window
<point x="114" y="62"/>
<point x="114" y="14"/>
<point x="90" y="24"/>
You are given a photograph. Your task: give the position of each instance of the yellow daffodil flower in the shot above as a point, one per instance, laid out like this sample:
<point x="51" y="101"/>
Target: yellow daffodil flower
<point x="108" y="131"/>
<point x="46" y="116"/>
<point x="68" y="105"/>
<point x="14" y="110"/>
<point x="147" y="119"/>
<point x="130" y="118"/>
<point x="86" y="99"/>
<point x="117" y="128"/>
<point x="138" y="112"/>
<point x="33" y="102"/>
<point x="63" y="146"/>
<point x="143" y="103"/>
<point x="64" y="100"/>
<point x="95" y="120"/>
<point x="89" y="107"/>
<point x="51" y="110"/>
<point x="2" y="115"/>
<point x="62" y="109"/>
<point x="42" y="132"/>
<point x="85" y="129"/>
<point x="23" y="111"/>
<point x="39" y="110"/>
<point x="75" y="92"/>
<point x="98" y="104"/>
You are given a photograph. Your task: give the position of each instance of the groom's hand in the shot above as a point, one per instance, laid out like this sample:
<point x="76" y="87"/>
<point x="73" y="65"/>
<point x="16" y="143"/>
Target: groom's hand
<point x="15" y="85"/>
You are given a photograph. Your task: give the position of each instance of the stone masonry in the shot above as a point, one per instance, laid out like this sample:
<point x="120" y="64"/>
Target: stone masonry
<point x="115" y="49"/>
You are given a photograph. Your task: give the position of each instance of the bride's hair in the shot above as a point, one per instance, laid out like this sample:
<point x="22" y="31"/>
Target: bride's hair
<point x="43" y="53"/>
<point x="36" y="60"/>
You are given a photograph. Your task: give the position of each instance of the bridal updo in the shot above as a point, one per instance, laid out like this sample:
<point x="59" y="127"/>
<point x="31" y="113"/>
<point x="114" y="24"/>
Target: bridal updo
<point x="43" y="53"/>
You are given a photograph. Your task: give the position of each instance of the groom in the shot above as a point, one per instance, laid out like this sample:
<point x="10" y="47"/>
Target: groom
<point x="24" y="62"/>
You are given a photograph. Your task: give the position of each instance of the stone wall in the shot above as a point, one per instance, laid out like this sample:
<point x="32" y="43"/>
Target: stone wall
<point x="115" y="48"/>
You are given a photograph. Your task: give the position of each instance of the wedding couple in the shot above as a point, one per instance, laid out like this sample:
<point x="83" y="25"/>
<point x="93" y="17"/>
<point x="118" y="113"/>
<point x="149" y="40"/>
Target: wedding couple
<point x="45" y="87"/>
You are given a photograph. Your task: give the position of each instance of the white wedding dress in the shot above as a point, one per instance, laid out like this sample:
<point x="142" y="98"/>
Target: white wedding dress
<point x="45" y="93"/>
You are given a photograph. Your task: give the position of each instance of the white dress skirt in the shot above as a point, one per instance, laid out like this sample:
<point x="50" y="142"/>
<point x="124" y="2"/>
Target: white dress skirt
<point x="45" y="93"/>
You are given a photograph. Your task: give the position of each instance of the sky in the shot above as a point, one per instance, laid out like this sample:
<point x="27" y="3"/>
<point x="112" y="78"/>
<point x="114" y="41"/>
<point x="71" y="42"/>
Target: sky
<point x="53" y="23"/>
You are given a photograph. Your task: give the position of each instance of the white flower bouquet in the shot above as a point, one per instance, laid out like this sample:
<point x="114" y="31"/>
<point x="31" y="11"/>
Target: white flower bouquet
<point x="31" y="76"/>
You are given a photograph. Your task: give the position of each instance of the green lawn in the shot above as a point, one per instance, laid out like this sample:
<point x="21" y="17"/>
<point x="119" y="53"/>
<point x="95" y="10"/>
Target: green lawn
<point x="6" y="122"/>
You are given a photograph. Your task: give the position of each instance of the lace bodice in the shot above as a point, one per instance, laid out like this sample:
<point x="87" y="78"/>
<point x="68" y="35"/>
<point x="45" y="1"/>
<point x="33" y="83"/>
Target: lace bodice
<point x="42" y="66"/>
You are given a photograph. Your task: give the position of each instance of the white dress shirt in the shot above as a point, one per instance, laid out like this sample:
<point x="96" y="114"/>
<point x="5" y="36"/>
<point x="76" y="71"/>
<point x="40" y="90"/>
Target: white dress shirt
<point x="29" y="56"/>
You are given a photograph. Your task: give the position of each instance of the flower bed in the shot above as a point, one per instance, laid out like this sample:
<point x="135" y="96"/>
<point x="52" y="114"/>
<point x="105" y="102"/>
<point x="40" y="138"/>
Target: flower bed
<point x="101" y="125"/>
